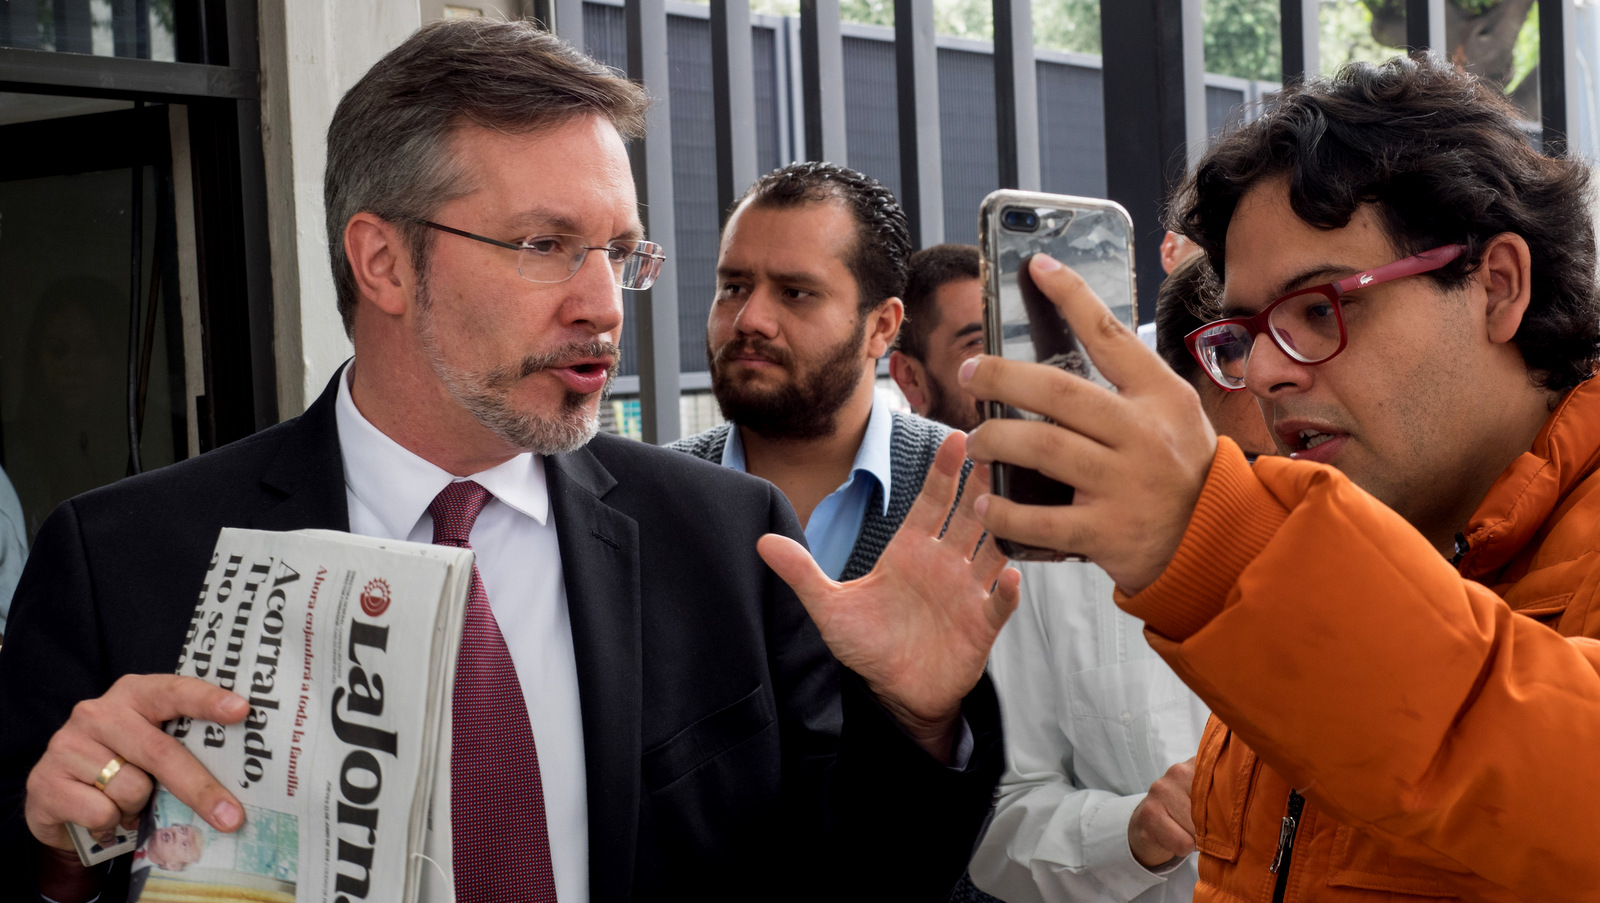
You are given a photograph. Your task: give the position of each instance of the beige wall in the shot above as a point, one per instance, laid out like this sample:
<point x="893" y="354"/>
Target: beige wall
<point x="311" y="53"/>
<point x="506" y="9"/>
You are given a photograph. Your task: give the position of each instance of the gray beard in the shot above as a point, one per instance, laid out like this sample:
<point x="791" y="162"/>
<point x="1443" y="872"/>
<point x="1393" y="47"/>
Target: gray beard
<point x="486" y="396"/>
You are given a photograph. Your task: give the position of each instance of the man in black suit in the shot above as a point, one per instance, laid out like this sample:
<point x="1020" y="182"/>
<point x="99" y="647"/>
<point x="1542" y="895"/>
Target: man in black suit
<point x="715" y="746"/>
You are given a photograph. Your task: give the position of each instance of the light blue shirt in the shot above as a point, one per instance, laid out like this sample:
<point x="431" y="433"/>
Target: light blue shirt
<point x="836" y="521"/>
<point x="13" y="546"/>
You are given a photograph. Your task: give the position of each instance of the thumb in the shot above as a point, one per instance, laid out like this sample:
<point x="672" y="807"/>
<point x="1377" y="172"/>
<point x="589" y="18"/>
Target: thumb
<point x="791" y="562"/>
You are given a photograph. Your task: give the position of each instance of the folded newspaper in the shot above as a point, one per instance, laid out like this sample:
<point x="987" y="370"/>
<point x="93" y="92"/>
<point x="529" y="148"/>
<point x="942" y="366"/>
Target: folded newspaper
<point x="345" y="647"/>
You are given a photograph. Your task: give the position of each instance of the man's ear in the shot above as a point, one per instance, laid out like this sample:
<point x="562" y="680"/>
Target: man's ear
<point x="1174" y="248"/>
<point x="909" y="374"/>
<point x="380" y="261"/>
<point x="1505" y="275"/>
<point x="884" y="327"/>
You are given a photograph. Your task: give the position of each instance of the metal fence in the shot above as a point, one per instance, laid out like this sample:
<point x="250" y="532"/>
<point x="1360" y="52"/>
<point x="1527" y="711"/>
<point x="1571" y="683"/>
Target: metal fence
<point x="1071" y="133"/>
<point x="739" y="94"/>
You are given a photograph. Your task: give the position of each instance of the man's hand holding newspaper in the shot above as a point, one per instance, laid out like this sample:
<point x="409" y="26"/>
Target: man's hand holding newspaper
<point x="123" y="725"/>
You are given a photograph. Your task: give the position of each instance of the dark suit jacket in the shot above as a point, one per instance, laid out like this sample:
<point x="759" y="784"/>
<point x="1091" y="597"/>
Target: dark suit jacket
<point x="727" y="752"/>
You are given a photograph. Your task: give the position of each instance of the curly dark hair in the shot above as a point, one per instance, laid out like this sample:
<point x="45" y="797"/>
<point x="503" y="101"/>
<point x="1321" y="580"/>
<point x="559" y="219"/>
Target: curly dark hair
<point x="929" y="269"/>
<point x="883" y="240"/>
<point x="1443" y="160"/>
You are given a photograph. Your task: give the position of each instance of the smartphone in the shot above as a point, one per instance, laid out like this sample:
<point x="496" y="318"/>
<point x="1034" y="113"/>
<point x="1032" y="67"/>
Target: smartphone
<point x="1095" y="238"/>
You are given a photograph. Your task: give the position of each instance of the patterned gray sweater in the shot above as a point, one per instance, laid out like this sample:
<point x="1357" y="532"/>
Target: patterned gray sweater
<point x="912" y="443"/>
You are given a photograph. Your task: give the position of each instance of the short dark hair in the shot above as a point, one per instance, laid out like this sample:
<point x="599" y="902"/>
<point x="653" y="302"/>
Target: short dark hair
<point x="1443" y="160"/>
<point x="929" y="269"/>
<point x="1185" y="301"/>
<point x="389" y="142"/>
<point x="883" y="239"/>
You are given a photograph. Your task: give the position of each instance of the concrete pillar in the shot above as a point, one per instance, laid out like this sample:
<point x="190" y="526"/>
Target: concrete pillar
<point x="311" y="53"/>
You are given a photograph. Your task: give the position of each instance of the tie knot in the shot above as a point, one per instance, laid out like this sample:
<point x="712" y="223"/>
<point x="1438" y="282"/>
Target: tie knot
<point x="454" y="509"/>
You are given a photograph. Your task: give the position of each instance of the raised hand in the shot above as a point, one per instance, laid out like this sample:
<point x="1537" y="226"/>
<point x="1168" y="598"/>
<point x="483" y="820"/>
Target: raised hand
<point x="1137" y="457"/>
<point x="123" y="725"/>
<point x="918" y="628"/>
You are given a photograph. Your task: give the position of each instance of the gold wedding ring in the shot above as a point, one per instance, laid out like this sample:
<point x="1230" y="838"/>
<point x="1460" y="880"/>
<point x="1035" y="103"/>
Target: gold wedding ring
<point x="109" y="772"/>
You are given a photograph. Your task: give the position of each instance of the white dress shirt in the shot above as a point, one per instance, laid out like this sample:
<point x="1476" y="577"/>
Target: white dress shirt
<point x="519" y="560"/>
<point x="1093" y="716"/>
<point x="13" y="545"/>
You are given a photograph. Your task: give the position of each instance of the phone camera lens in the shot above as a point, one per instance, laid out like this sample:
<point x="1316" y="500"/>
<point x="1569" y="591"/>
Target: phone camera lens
<point x="1019" y="220"/>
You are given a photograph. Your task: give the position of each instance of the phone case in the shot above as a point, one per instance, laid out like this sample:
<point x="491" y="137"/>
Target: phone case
<point x="1095" y="238"/>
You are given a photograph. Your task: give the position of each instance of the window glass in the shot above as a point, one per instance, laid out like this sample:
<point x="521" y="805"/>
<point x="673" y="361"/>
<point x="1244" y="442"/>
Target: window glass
<point x="143" y="29"/>
<point x="66" y="317"/>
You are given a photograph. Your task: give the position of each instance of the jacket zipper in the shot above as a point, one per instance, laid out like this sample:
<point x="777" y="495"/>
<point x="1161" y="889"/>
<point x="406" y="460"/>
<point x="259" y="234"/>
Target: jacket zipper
<point x="1297" y="803"/>
<point x="1286" y="833"/>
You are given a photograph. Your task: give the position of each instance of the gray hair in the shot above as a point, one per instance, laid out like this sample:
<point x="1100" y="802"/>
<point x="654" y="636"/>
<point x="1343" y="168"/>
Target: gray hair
<point x="388" y="144"/>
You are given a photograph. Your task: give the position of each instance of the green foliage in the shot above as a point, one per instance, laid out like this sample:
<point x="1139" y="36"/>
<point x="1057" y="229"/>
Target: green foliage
<point x="1346" y="35"/>
<point x="1067" y="25"/>
<point x="867" y="12"/>
<point x="1470" y="7"/>
<point x="964" y="19"/>
<point x="770" y="7"/>
<point x="1525" y="55"/>
<point x="1241" y="38"/>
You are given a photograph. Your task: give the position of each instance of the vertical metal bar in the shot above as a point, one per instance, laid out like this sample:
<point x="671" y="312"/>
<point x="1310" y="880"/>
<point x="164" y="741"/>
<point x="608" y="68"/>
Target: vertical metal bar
<point x="1154" y="95"/>
<point x="135" y="283"/>
<point x="1560" y="86"/>
<point x="73" y="26"/>
<point x="1016" y="94"/>
<point x="916" y="71"/>
<point x="793" y="44"/>
<point x="141" y="28"/>
<point x="244" y="52"/>
<point x="1302" y="52"/>
<point x="656" y="309"/>
<point x="1193" y="89"/>
<point x="1425" y="26"/>
<point x="124" y="40"/>
<point x="822" y="80"/>
<point x="19" y="24"/>
<point x="733" y="100"/>
<point x="189" y="32"/>
<point x="568" y="24"/>
<point x="783" y="69"/>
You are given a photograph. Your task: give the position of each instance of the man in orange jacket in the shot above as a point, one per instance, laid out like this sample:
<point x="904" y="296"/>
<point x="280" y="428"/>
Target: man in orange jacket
<point x="1396" y="647"/>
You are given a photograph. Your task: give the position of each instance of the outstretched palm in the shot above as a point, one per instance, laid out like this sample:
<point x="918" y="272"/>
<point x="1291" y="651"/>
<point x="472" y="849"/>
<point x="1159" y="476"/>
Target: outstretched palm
<point x="918" y="628"/>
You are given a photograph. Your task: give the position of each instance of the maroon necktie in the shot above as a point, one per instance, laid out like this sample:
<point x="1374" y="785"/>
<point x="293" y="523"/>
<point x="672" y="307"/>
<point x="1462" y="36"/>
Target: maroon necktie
<point x="501" y="846"/>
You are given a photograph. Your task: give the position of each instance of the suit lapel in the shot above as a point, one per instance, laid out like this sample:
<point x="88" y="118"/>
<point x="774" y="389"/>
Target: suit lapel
<point x="600" y="564"/>
<point x="306" y="478"/>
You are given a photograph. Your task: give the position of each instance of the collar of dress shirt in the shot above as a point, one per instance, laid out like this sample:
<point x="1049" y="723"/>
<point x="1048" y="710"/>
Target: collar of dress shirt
<point x="872" y="458"/>
<point x="397" y="485"/>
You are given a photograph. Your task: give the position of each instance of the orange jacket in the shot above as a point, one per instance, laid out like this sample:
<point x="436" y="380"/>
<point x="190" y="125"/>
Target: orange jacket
<point x="1443" y="725"/>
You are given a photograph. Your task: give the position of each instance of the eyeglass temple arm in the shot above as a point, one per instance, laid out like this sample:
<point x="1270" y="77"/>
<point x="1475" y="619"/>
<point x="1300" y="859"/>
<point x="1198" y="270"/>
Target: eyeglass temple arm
<point x="1425" y="262"/>
<point x="472" y="235"/>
